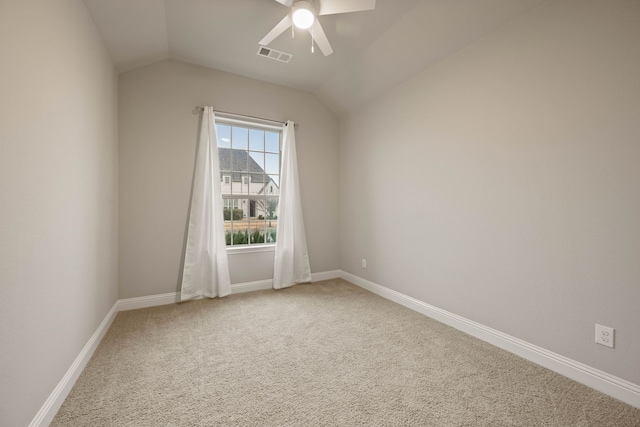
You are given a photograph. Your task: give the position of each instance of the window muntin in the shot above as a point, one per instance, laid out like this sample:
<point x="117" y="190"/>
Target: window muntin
<point x="249" y="159"/>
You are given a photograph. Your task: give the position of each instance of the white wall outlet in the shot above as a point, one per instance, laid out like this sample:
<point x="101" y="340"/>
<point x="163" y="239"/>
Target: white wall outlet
<point x="604" y="335"/>
<point x="364" y="263"/>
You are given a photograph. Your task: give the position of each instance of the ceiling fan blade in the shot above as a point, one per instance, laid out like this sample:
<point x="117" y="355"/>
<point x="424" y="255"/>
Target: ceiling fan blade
<point x="321" y="38"/>
<point x="277" y="30"/>
<point x="331" y="7"/>
<point x="287" y="3"/>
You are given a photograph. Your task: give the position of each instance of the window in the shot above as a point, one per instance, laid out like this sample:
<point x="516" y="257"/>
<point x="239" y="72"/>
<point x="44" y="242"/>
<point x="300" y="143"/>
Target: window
<point x="249" y="155"/>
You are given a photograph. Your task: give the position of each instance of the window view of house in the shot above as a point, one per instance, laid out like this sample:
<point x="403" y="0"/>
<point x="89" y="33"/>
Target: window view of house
<point x="249" y="176"/>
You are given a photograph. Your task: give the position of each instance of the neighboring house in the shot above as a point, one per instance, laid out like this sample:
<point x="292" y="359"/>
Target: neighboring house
<point x="241" y="174"/>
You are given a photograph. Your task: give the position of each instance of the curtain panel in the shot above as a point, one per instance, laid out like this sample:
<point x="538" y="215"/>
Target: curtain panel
<point x="291" y="265"/>
<point x="206" y="266"/>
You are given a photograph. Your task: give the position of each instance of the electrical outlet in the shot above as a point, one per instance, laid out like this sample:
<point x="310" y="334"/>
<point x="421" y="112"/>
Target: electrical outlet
<point x="604" y="335"/>
<point x="364" y="263"/>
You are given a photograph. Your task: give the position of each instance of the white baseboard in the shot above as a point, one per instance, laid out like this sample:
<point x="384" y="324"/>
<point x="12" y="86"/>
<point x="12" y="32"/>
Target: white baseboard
<point x="268" y="284"/>
<point x="325" y="275"/>
<point x="251" y="286"/>
<point x="603" y="382"/>
<point x="174" y="297"/>
<point x="56" y="398"/>
<point x="148" y="301"/>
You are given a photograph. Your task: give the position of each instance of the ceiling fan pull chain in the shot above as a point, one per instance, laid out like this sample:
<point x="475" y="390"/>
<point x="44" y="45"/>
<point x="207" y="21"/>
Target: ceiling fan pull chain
<point x="312" y="49"/>
<point x="293" y="29"/>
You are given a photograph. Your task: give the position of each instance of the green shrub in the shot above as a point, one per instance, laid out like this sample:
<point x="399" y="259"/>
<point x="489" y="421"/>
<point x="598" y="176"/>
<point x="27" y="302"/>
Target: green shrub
<point x="257" y="237"/>
<point x="241" y="237"/>
<point x="237" y="214"/>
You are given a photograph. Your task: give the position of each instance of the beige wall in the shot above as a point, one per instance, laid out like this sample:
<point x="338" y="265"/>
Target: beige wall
<point x="158" y="133"/>
<point x="522" y="154"/>
<point x="58" y="196"/>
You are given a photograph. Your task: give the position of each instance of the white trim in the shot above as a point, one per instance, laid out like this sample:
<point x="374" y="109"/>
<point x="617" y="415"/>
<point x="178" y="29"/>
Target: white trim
<point x="248" y="121"/>
<point x="325" y="275"/>
<point x="591" y="377"/>
<point x="56" y="398"/>
<point x="148" y="301"/>
<point x="247" y="249"/>
<point x="268" y="284"/>
<point x="236" y="288"/>
<point x="251" y="286"/>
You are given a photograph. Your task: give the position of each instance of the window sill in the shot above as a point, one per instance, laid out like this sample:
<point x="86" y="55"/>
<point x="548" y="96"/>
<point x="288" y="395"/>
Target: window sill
<point x="235" y="250"/>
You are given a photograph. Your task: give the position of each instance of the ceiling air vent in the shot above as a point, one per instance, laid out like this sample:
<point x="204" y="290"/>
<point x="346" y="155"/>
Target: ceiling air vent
<point x="267" y="52"/>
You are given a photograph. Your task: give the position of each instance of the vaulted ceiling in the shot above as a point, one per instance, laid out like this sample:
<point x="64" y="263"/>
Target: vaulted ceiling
<point x="373" y="50"/>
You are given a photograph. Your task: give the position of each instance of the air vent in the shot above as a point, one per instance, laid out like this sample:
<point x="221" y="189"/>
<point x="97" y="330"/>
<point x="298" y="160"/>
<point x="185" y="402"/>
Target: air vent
<point x="267" y="52"/>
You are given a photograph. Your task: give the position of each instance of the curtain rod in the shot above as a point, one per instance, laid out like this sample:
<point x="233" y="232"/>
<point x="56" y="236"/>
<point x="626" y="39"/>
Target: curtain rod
<point x="199" y="109"/>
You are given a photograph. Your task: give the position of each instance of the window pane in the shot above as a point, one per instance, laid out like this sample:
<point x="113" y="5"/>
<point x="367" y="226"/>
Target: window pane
<point x="256" y="233"/>
<point x="239" y="161"/>
<point x="240" y="138"/>
<point x="272" y="140"/>
<point x="229" y="214"/>
<point x="240" y="225"/>
<point x="240" y="237"/>
<point x="256" y="140"/>
<point x="241" y="184"/>
<point x="224" y="158"/>
<point x="258" y="158"/>
<point x="271" y="220"/>
<point x="273" y="185"/>
<point x="225" y="186"/>
<point x="224" y="135"/>
<point x="272" y="165"/>
<point x="256" y="166"/>
<point x="257" y="209"/>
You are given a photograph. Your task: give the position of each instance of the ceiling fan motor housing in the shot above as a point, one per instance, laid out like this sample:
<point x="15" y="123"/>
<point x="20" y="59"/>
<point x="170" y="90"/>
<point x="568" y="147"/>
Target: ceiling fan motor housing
<point x="304" y="14"/>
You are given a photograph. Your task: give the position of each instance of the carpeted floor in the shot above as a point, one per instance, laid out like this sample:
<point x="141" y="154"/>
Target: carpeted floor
<point x="326" y="354"/>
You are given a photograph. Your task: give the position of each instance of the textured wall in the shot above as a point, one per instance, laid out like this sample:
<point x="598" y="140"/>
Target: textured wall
<point x="58" y="196"/>
<point x="158" y="136"/>
<point x="502" y="184"/>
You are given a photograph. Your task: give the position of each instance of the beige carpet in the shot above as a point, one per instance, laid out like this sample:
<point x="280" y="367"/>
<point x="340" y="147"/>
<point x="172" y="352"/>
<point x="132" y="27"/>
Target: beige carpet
<point x="326" y="354"/>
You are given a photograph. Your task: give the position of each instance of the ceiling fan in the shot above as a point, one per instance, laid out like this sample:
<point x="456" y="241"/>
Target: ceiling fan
<point x="304" y="15"/>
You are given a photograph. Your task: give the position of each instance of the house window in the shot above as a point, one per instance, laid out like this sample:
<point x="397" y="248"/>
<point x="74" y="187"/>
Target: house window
<point x="249" y="155"/>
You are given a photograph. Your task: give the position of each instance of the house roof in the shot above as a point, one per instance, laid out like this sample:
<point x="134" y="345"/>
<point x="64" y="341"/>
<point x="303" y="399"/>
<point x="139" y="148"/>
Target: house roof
<point x="243" y="164"/>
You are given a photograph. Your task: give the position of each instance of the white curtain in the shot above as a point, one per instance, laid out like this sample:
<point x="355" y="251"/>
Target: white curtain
<point x="206" y="267"/>
<point x="291" y="260"/>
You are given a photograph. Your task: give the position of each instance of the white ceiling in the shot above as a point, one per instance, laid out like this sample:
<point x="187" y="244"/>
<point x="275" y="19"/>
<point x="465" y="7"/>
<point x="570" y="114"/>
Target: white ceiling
<point x="373" y="50"/>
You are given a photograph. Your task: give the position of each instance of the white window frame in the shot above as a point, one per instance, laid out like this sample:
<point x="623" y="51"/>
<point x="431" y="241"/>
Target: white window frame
<point x="257" y="124"/>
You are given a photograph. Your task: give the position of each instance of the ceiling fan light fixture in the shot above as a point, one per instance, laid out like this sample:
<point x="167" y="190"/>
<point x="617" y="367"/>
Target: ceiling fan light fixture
<point x="303" y="15"/>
